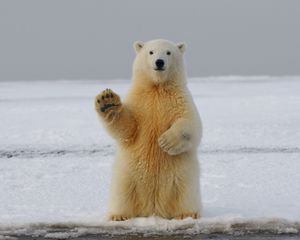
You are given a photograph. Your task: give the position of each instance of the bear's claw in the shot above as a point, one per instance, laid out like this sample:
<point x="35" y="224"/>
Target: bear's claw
<point x="118" y="218"/>
<point x="186" y="215"/>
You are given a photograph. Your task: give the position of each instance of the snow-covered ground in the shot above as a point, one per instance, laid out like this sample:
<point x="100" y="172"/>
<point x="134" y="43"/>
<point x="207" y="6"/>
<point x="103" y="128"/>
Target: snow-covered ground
<point x="55" y="157"/>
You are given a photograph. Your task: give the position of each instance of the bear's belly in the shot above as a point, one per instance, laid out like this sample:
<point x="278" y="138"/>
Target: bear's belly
<point x="152" y="122"/>
<point x="158" y="178"/>
<point x="153" y="169"/>
<point x="146" y="148"/>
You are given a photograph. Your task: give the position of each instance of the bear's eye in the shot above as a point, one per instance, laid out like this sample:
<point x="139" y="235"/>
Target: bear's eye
<point x="151" y="52"/>
<point x="168" y="53"/>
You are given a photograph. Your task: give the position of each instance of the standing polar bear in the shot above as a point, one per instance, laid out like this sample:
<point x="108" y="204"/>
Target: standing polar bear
<point x="158" y="130"/>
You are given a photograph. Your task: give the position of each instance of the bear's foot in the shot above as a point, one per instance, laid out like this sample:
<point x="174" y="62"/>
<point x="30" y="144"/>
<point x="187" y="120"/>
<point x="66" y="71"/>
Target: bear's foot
<point x="194" y="215"/>
<point x="107" y="103"/>
<point x="118" y="218"/>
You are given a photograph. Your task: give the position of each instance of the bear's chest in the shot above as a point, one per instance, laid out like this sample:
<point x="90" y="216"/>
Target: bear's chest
<point x="154" y="114"/>
<point x="158" y="113"/>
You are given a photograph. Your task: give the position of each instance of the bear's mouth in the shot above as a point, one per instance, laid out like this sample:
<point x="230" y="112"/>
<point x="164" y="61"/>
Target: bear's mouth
<point x="159" y="69"/>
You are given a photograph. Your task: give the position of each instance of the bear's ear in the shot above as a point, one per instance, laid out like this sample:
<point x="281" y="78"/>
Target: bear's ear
<point x="138" y="45"/>
<point x="181" y="46"/>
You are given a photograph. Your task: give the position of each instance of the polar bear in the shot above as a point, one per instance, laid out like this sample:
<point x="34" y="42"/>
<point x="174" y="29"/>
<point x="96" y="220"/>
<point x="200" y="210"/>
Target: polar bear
<point x="158" y="129"/>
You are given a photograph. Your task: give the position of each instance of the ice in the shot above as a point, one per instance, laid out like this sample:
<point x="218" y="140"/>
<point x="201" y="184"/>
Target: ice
<point x="56" y="158"/>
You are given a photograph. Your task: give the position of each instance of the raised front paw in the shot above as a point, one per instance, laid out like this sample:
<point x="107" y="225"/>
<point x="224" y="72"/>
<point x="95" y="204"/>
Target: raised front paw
<point x="174" y="143"/>
<point x="107" y="103"/>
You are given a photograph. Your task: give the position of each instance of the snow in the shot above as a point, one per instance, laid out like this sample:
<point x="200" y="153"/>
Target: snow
<point x="56" y="158"/>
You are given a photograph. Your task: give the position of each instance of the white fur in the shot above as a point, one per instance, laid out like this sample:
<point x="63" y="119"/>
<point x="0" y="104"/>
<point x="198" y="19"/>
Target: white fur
<point x="158" y="130"/>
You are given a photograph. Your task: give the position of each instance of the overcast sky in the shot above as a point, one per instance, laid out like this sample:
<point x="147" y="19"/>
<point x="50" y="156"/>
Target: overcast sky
<point x="90" y="39"/>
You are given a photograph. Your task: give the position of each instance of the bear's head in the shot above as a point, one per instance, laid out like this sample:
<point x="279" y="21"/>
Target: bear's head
<point x="159" y="61"/>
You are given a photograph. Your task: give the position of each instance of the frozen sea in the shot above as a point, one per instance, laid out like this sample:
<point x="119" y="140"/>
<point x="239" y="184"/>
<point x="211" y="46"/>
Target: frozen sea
<point x="56" y="159"/>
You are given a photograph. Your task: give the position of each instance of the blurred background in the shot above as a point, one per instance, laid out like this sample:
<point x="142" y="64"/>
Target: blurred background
<point x="90" y="39"/>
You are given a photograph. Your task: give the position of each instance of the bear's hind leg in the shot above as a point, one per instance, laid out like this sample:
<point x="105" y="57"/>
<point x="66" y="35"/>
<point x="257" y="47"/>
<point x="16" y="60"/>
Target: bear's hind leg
<point x="124" y="202"/>
<point x="188" y="206"/>
<point x="124" y="205"/>
<point x="181" y="198"/>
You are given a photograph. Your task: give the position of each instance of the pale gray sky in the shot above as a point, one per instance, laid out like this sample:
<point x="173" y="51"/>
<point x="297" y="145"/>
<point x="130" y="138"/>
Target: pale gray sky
<point x="90" y="39"/>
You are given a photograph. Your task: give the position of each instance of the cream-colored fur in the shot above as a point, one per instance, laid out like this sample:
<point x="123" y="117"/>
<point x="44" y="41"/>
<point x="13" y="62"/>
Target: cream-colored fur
<point x="158" y="130"/>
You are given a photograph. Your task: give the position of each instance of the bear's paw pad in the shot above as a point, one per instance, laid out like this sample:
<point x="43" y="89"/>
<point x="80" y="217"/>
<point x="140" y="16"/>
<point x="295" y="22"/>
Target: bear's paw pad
<point x="107" y="100"/>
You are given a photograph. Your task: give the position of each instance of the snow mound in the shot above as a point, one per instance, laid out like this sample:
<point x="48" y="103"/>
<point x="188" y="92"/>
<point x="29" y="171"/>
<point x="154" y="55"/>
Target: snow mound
<point x="155" y="226"/>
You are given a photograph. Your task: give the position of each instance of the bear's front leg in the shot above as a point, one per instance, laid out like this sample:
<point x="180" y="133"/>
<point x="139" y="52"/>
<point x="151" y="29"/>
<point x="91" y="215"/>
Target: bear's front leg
<point x="178" y="138"/>
<point x="117" y="117"/>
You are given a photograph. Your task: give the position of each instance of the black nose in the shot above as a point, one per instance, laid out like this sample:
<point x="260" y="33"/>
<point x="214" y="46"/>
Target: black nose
<point x="160" y="63"/>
